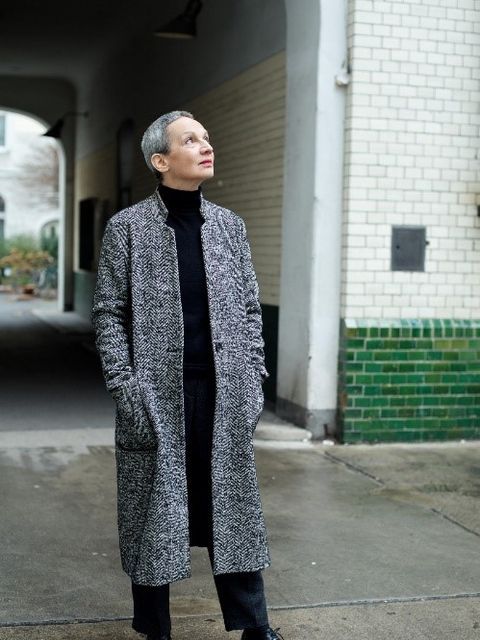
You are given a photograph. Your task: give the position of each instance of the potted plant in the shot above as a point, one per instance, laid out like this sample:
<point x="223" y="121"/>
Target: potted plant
<point x="24" y="267"/>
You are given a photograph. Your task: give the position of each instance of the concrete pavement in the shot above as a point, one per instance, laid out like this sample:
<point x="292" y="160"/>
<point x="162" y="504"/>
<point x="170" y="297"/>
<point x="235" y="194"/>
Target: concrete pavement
<point x="366" y="541"/>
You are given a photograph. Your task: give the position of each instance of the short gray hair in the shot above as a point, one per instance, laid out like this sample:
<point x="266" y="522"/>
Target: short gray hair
<point x="156" y="140"/>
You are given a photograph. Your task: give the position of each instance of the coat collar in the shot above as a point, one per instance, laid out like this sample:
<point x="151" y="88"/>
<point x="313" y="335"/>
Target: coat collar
<point x="160" y="210"/>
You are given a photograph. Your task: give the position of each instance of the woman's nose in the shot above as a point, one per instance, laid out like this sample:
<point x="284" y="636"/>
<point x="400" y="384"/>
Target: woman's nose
<point x="207" y="146"/>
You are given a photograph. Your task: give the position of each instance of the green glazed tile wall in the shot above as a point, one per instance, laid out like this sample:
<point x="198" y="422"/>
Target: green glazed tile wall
<point x="409" y="380"/>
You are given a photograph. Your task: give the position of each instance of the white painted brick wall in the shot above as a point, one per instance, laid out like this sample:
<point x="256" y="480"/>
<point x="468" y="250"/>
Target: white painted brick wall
<point x="412" y="152"/>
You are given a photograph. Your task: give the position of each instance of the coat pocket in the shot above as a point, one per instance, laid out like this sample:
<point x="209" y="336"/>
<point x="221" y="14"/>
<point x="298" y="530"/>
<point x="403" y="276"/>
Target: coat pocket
<point x="133" y="431"/>
<point x="256" y="397"/>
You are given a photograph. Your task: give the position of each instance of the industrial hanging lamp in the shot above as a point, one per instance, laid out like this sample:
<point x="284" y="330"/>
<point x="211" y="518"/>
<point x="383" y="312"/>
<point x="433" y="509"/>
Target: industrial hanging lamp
<point x="55" y="130"/>
<point x="183" y="26"/>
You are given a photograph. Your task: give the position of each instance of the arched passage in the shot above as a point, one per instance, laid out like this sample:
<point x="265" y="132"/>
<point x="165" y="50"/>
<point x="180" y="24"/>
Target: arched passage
<point x="32" y="171"/>
<point x="46" y="100"/>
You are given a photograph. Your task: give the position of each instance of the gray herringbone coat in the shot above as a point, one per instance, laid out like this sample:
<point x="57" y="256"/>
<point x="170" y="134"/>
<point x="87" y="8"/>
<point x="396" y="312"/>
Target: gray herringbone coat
<point x="138" y="323"/>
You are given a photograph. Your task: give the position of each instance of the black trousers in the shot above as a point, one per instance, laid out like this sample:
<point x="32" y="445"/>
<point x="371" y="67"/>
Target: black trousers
<point x="241" y="595"/>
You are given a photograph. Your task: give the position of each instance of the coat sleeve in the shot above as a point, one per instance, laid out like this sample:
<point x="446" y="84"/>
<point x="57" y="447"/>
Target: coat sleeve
<point x="252" y="302"/>
<point x="110" y="309"/>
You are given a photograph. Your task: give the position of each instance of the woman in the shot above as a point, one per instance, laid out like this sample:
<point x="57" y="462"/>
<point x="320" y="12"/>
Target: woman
<point x="178" y="328"/>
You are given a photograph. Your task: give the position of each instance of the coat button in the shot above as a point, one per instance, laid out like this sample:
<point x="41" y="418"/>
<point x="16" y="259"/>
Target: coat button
<point x="218" y="346"/>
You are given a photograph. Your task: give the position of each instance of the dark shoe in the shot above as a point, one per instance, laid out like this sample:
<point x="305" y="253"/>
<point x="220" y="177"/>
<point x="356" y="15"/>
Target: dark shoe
<point x="255" y="634"/>
<point x="156" y="637"/>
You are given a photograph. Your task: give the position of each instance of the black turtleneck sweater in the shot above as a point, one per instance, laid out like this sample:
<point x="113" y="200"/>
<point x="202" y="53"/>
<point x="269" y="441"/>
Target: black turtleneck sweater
<point x="185" y="219"/>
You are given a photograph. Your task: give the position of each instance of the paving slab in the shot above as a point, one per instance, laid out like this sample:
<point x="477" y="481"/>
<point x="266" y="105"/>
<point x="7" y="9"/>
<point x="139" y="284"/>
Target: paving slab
<point x="443" y="476"/>
<point x="454" y="619"/>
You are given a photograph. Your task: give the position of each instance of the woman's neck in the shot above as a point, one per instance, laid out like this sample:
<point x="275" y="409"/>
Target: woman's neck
<point x="183" y="185"/>
<point x="180" y="199"/>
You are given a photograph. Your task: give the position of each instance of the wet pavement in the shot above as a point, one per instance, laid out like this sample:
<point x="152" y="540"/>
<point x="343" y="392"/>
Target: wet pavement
<point x="366" y="541"/>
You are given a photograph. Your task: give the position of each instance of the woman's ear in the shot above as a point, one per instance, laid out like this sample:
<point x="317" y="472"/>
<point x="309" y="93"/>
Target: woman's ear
<point x="160" y="162"/>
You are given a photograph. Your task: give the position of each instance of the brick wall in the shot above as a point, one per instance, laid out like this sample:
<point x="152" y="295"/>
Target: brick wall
<point x="411" y="157"/>
<point x="409" y="364"/>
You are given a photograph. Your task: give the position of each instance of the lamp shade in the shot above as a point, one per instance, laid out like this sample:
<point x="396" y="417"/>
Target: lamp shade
<point x="183" y="26"/>
<point x="55" y="130"/>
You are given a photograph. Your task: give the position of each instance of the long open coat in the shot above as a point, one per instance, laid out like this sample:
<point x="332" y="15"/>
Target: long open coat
<point x="138" y="323"/>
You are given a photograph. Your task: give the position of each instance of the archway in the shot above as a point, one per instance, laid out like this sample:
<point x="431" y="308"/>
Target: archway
<point x="32" y="194"/>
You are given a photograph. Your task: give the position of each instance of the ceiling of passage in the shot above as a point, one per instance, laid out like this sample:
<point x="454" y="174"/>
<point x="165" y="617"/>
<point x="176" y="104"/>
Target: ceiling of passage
<point x="70" y="40"/>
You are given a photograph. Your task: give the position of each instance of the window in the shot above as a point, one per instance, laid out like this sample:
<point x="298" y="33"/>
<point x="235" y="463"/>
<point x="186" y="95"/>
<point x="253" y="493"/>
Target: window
<point x="86" y="233"/>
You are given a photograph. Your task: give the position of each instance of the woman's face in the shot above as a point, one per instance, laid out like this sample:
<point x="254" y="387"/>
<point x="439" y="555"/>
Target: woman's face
<point x="190" y="159"/>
